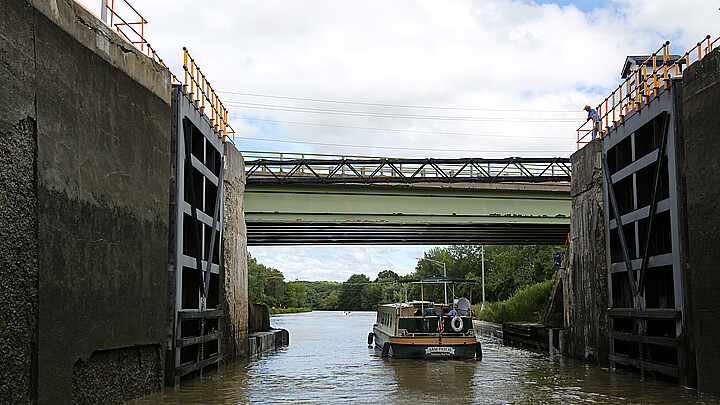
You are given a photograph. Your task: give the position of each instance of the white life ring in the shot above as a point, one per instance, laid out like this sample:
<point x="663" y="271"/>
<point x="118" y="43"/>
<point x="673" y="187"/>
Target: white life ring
<point x="456" y="323"/>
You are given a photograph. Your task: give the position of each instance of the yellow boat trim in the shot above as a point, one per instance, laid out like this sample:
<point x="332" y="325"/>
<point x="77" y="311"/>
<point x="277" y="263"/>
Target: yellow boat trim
<point x="433" y="340"/>
<point x="426" y="340"/>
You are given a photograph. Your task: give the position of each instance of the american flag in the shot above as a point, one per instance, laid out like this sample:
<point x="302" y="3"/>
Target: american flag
<point x="441" y="324"/>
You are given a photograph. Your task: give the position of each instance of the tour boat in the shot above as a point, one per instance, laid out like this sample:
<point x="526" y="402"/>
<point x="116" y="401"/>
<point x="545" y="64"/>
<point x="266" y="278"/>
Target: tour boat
<point x="401" y="330"/>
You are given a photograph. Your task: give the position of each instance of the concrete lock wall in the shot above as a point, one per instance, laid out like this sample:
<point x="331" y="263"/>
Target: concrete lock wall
<point x="263" y="342"/>
<point x="234" y="269"/>
<point x="699" y="167"/>
<point x="585" y="281"/>
<point x="84" y="174"/>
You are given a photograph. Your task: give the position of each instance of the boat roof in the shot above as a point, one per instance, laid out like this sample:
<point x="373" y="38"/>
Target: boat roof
<point x="435" y="280"/>
<point x="401" y="304"/>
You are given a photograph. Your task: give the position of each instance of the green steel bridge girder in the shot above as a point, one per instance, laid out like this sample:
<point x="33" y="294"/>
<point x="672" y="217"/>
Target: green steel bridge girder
<point x="393" y="214"/>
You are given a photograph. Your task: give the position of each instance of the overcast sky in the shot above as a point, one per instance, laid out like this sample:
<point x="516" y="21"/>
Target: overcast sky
<point x="443" y="78"/>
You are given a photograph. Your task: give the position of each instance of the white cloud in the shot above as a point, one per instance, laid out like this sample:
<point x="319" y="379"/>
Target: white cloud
<point x="499" y="54"/>
<point x="337" y="263"/>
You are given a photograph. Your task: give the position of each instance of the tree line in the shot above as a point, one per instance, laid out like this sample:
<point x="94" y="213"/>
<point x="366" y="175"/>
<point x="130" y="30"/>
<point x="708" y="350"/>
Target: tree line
<point x="508" y="268"/>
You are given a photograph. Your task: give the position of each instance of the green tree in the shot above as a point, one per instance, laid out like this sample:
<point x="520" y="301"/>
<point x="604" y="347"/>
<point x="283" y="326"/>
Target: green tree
<point x="510" y="268"/>
<point x="323" y="294"/>
<point x="267" y="286"/>
<point x="257" y="281"/>
<point x="373" y="297"/>
<point x="330" y="300"/>
<point x="295" y="295"/>
<point x="507" y="269"/>
<point x="353" y="293"/>
<point x="387" y="275"/>
<point x="389" y="292"/>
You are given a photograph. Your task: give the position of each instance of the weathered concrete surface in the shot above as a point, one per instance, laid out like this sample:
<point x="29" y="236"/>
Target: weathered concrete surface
<point x="258" y="317"/>
<point x="18" y="205"/>
<point x="700" y="168"/>
<point x="488" y="328"/>
<point x="123" y="374"/>
<point x="84" y="169"/>
<point x="234" y="269"/>
<point x="19" y="271"/>
<point x="585" y="285"/>
<point x="262" y="342"/>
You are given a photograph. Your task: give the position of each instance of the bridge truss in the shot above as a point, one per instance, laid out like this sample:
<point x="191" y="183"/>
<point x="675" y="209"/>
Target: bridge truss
<point x="399" y="170"/>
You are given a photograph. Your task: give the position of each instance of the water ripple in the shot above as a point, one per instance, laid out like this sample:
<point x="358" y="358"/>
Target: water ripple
<point x="328" y="361"/>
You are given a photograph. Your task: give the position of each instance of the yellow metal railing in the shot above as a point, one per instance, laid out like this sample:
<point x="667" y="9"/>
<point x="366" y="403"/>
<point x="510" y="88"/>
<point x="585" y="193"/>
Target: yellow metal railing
<point x="200" y="92"/>
<point x="196" y="86"/>
<point x="639" y="87"/>
<point x="134" y="31"/>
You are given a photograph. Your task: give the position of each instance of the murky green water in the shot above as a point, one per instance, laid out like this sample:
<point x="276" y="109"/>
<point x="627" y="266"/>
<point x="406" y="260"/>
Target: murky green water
<point x="328" y="360"/>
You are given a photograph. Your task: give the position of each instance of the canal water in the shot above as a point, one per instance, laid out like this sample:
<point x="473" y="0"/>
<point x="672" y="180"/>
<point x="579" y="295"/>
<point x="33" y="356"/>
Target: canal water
<point x="328" y="361"/>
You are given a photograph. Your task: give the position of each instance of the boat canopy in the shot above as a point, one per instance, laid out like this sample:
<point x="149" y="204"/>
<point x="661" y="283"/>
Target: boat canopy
<point x="435" y="280"/>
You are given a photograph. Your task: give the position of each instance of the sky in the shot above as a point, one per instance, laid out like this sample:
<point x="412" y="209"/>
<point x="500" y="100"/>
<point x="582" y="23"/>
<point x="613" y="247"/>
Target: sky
<point x="400" y="78"/>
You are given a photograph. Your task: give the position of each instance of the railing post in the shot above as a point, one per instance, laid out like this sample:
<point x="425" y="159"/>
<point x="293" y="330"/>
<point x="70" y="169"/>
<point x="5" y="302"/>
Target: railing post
<point x="185" y="62"/>
<point x="192" y="81"/>
<point x="636" y="102"/>
<point x="621" y="104"/>
<point x="202" y="92"/>
<point x="699" y="47"/>
<point x="666" y="58"/>
<point x="655" y="81"/>
<point x="613" y="109"/>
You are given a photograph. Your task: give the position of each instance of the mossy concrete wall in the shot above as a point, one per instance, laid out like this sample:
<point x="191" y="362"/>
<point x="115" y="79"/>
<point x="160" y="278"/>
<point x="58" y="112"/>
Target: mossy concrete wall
<point x="585" y="284"/>
<point x="84" y="191"/>
<point x="263" y="342"/>
<point x="700" y="165"/>
<point x="234" y="269"/>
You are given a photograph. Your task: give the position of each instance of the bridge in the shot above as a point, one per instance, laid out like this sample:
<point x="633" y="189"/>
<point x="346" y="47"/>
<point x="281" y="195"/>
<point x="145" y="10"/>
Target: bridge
<point x="323" y="199"/>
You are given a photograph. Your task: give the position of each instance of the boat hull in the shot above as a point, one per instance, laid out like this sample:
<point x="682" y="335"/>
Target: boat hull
<point x="427" y="347"/>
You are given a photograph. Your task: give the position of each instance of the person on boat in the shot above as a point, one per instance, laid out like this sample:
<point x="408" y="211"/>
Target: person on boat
<point x="463" y="305"/>
<point x="453" y="311"/>
<point x="431" y="311"/>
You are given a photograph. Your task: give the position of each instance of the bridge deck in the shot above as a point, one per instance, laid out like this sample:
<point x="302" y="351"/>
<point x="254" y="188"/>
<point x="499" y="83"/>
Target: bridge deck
<point x="456" y="213"/>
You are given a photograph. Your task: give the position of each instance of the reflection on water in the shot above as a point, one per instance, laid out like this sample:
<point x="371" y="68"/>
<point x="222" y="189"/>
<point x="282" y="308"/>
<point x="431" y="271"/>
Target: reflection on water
<point x="328" y="360"/>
